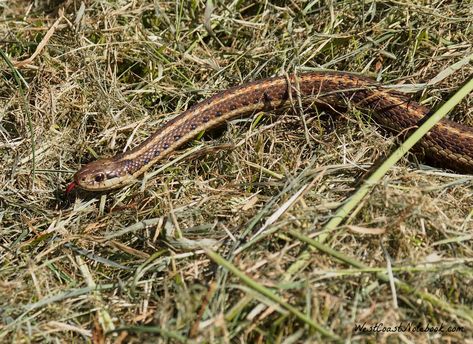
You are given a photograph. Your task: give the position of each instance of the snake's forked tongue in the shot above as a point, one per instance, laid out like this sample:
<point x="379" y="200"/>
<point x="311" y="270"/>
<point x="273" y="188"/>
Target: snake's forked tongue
<point x="70" y="187"/>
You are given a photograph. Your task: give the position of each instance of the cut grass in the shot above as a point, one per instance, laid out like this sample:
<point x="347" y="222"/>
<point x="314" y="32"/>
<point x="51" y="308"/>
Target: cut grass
<point x="127" y="266"/>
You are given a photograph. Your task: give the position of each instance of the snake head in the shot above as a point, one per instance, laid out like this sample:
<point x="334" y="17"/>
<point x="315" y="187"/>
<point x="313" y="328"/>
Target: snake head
<point x="100" y="175"/>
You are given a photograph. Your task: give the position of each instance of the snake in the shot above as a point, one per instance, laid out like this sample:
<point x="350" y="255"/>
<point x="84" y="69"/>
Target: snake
<point x="448" y="144"/>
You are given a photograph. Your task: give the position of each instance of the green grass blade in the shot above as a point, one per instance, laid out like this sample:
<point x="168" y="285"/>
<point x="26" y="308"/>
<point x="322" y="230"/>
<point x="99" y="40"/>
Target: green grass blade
<point x="21" y="83"/>
<point x="374" y="178"/>
<point x="270" y="294"/>
<point x="459" y="311"/>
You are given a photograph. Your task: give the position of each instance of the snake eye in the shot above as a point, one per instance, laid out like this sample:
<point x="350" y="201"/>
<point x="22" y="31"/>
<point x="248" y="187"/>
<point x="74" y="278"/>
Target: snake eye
<point x="99" y="177"/>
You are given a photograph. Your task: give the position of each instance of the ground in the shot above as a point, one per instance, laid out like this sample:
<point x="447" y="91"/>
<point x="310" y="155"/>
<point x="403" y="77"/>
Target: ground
<point x="88" y="79"/>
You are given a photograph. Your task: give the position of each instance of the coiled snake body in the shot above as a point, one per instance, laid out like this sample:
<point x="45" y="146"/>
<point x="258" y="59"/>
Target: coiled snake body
<point x="449" y="144"/>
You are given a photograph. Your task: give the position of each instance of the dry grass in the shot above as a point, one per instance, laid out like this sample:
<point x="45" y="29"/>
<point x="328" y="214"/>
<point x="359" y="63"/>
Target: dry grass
<point x="75" y="269"/>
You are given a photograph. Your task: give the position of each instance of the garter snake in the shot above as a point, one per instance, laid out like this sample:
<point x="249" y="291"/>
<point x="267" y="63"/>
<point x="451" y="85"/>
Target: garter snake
<point x="448" y="144"/>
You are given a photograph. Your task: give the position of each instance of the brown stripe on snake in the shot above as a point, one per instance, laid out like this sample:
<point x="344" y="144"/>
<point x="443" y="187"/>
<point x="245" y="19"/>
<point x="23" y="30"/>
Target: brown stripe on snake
<point x="448" y="144"/>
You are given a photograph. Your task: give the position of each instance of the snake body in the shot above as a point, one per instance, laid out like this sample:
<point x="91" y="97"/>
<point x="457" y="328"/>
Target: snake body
<point x="449" y="144"/>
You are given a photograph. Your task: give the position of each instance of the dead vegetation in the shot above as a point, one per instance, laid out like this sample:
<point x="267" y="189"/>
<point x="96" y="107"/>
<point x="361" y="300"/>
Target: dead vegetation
<point x="97" y="77"/>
